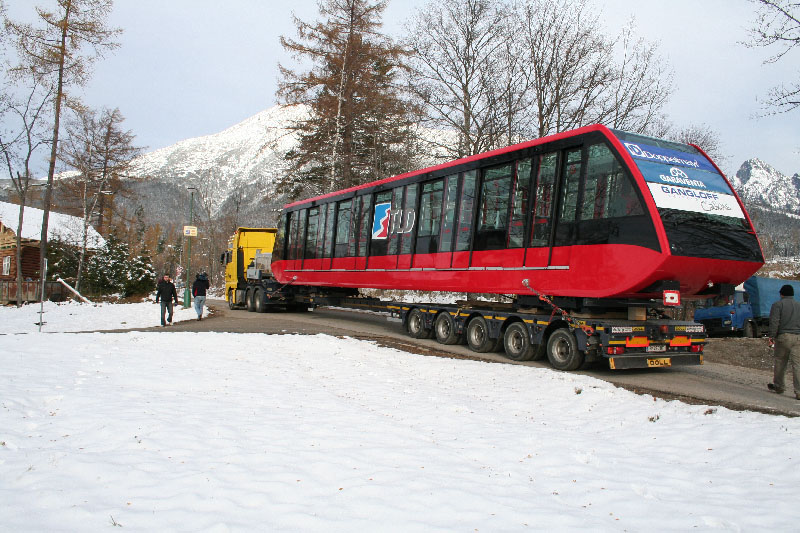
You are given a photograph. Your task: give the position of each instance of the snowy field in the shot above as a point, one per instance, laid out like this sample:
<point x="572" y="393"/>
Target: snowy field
<point x="172" y="431"/>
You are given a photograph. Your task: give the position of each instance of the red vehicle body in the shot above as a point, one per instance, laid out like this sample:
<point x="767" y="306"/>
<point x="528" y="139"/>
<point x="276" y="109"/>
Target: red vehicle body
<point x="592" y="213"/>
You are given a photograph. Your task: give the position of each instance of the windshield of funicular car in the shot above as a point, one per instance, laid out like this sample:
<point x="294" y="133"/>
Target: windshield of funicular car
<point x="682" y="179"/>
<point x="695" y="202"/>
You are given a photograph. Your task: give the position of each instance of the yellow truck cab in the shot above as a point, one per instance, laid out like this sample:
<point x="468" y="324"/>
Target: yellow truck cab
<point x="248" y="257"/>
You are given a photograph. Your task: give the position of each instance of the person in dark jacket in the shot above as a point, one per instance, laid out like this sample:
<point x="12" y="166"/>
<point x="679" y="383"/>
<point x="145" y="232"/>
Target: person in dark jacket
<point x="784" y="332"/>
<point x="166" y="293"/>
<point x="199" y="288"/>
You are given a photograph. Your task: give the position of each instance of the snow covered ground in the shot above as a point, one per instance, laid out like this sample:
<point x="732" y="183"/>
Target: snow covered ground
<point x="178" y="431"/>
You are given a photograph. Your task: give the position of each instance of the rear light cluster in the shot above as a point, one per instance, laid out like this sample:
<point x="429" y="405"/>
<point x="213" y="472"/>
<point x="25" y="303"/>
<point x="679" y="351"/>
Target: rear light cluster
<point x="619" y="350"/>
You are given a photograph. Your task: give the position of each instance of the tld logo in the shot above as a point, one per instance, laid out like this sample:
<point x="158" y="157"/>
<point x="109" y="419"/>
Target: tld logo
<point x="380" y="224"/>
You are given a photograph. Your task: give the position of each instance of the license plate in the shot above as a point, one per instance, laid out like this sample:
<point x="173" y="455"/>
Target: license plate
<point x="657" y="348"/>
<point x="660" y="361"/>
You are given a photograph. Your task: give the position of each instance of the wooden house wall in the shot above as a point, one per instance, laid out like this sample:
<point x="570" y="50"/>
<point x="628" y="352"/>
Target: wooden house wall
<point x="30" y="262"/>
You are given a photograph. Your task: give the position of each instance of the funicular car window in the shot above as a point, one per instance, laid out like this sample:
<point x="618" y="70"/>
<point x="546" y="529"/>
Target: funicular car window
<point x="430" y="217"/>
<point x="494" y="208"/>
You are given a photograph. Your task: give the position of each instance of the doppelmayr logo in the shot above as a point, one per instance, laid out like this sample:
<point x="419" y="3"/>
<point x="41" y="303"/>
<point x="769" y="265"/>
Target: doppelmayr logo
<point x="637" y="151"/>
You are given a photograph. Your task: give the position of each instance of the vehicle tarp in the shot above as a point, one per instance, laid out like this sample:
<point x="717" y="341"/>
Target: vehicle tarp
<point x="764" y="292"/>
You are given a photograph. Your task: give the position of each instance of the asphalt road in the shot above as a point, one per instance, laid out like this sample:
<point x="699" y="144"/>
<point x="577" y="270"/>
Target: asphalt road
<point x="711" y="383"/>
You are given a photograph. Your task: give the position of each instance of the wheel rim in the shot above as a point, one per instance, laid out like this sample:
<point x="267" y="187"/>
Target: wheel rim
<point x="442" y="328"/>
<point x="516" y="342"/>
<point x="414" y="323"/>
<point x="477" y="335"/>
<point x="561" y="350"/>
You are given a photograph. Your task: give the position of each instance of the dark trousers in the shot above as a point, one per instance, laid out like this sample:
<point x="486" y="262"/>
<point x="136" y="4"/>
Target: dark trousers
<point x="166" y="306"/>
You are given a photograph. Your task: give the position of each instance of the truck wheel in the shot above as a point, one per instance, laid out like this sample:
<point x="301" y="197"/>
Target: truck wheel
<point x="259" y="301"/>
<point x="478" y="336"/>
<point x="444" y="327"/>
<point x="231" y="299"/>
<point x="750" y="330"/>
<point x="415" y="324"/>
<point x="251" y="304"/>
<point x="517" y="342"/>
<point x="562" y="350"/>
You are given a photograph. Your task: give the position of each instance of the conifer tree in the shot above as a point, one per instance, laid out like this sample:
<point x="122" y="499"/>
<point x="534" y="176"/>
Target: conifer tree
<point x="357" y="126"/>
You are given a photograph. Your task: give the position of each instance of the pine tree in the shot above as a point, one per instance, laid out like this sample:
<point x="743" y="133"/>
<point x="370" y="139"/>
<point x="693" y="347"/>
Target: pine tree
<point x="358" y="125"/>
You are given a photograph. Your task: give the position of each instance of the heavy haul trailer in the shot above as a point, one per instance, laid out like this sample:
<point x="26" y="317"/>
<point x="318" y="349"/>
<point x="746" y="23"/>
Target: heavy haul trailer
<point x="627" y="337"/>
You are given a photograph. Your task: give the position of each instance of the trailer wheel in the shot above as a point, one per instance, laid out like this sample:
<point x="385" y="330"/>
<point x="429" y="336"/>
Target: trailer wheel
<point x="478" y="336"/>
<point x="251" y="305"/>
<point x="231" y="299"/>
<point x="415" y="324"/>
<point x="517" y="342"/>
<point x="562" y="350"/>
<point x="444" y="328"/>
<point x="259" y="301"/>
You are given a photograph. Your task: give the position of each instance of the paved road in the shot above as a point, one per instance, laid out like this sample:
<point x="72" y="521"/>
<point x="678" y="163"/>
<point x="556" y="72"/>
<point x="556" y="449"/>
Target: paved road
<point x="712" y="383"/>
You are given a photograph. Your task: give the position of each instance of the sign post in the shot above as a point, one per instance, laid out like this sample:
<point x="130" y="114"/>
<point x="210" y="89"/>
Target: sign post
<point x="189" y="232"/>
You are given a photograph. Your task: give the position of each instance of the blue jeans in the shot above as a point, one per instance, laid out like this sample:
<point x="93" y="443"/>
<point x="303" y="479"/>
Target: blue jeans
<point x="166" y="306"/>
<point x="199" y="301"/>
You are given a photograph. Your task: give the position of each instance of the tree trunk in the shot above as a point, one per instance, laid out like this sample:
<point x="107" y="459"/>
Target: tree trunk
<point x="48" y="195"/>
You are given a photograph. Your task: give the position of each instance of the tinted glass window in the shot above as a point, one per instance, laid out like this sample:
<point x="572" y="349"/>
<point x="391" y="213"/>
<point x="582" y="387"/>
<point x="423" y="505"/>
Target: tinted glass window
<point x="466" y="207"/>
<point x="365" y="217"/>
<point x="343" y="228"/>
<point x="381" y="224"/>
<point x="312" y="233"/>
<point x="430" y="217"/>
<point x="543" y="207"/>
<point x="519" y="205"/>
<point x="408" y="219"/>
<point x="608" y="192"/>
<point x="449" y="215"/>
<point x="493" y="213"/>
<point x="327" y="247"/>
<point x="301" y="232"/>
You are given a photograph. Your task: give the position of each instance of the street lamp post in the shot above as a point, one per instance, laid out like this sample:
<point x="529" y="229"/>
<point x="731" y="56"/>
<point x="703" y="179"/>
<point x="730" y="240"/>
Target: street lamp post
<point x="187" y="298"/>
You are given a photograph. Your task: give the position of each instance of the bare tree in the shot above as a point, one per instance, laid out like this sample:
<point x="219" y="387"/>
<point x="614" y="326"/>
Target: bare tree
<point x="100" y="151"/>
<point x="18" y="150"/>
<point x="640" y="87"/>
<point x="457" y="44"/>
<point x="54" y="52"/>
<point x="777" y="25"/>
<point x="498" y="71"/>
<point x="703" y="136"/>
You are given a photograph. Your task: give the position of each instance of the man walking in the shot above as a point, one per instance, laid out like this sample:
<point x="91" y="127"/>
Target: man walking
<point x="199" y="288"/>
<point x="784" y="331"/>
<point x="165" y="291"/>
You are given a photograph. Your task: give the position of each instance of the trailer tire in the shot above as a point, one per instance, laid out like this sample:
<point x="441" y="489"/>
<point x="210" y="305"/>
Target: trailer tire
<point x="248" y="298"/>
<point x="259" y="301"/>
<point x="478" y="338"/>
<point x="517" y="342"/>
<point x="444" y="328"/>
<point x="562" y="350"/>
<point x="415" y="324"/>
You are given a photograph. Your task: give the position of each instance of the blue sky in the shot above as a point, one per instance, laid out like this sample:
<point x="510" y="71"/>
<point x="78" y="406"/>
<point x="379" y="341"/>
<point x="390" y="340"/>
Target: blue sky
<point x="188" y="68"/>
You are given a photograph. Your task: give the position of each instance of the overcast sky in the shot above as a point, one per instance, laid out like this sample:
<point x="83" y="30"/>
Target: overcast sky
<point x="187" y="68"/>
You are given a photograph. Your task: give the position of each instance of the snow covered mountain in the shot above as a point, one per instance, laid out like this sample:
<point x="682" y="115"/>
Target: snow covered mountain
<point x="759" y="184"/>
<point x="234" y="170"/>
